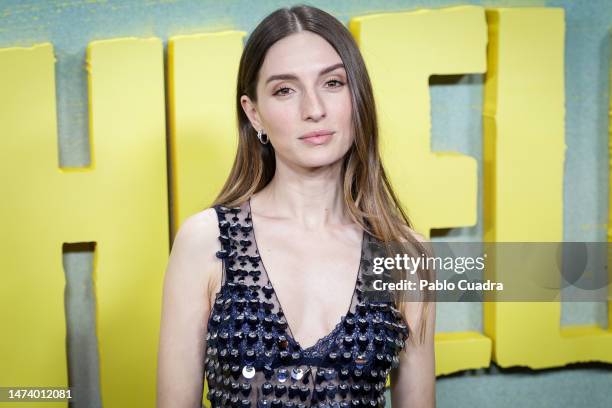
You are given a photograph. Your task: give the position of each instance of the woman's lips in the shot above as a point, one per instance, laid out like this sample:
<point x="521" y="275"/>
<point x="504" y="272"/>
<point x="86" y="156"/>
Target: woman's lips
<point x="317" y="138"/>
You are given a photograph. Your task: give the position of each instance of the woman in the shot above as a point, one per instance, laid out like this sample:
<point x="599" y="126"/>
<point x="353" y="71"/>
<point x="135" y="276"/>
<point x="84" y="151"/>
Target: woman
<point x="257" y="287"/>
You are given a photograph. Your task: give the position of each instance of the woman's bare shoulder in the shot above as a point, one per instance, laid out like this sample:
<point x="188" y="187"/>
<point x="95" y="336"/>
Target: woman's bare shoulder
<point x="195" y="245"/>
<point x="410" y="231"/>
<point x="198" y="228"/>
<point x="419" y="237"/>
<point x="198" y="232"/>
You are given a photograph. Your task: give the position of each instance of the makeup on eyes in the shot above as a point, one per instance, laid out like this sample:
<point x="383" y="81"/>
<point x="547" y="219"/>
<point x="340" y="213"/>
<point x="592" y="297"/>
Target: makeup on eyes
<point x="339" y="80"/>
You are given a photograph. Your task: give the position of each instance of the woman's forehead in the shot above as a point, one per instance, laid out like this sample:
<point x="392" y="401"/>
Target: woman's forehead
<point x="303" y="53"/>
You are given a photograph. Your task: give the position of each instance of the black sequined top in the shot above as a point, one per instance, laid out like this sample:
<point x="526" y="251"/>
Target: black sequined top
<point x="252" y="359"/>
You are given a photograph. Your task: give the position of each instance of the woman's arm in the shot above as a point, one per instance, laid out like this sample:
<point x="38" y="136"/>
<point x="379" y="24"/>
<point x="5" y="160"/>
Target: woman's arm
<point x="413" y="382"/>
<point x="192" y="267"/>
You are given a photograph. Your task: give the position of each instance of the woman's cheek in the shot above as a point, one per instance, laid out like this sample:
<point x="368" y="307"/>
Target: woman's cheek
<point x="279" y="114"/>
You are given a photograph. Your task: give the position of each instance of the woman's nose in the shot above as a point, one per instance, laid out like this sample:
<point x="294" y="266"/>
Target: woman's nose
<point x="312" y="106"/>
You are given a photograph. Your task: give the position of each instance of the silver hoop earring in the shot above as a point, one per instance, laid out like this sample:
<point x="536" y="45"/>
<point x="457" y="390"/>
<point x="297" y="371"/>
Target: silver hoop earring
<point x="263" y="137"/>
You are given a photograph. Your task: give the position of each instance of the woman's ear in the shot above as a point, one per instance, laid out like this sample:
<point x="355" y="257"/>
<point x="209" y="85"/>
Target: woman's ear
<point x="250" y="109"/>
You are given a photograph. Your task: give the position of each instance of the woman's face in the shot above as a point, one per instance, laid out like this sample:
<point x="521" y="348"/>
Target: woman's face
<point x="302" y="88"/>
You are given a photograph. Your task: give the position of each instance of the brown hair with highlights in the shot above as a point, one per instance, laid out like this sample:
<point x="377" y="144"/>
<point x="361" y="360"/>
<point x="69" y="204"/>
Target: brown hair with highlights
<point x="368" y="195"/>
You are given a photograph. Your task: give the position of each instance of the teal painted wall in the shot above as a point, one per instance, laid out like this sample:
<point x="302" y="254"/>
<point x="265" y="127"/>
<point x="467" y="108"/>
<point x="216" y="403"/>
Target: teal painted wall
<point x="456" y="118"/>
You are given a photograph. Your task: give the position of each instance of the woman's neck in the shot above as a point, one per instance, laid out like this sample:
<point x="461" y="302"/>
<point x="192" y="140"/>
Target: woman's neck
<point x="312" y="198"/>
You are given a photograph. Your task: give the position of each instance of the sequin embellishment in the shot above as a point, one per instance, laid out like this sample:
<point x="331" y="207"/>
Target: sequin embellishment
<point x="252" y="360"/>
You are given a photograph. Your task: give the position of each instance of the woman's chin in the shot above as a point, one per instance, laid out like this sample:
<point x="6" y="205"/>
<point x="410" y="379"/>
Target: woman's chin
<point x="319" y="161"/>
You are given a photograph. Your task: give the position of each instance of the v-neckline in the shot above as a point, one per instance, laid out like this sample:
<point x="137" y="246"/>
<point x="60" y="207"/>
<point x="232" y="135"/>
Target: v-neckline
<point x="288" y="331"/>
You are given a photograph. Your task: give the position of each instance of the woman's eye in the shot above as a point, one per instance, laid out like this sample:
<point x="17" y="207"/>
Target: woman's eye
<point x="336" y="82"/>
<point x="282" y="91"/>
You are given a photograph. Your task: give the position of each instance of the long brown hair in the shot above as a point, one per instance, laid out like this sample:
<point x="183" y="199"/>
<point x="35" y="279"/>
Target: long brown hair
<point x="368" y="195"/>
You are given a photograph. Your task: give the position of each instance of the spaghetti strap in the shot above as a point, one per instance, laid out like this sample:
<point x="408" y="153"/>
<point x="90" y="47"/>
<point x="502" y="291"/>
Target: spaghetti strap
<point x="232" y="223"/>
<point x="224" y="240"/>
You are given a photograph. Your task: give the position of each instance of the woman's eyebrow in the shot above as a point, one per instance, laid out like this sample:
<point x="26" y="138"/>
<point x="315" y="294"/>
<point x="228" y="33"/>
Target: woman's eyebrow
<point x="292" y="76"/>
